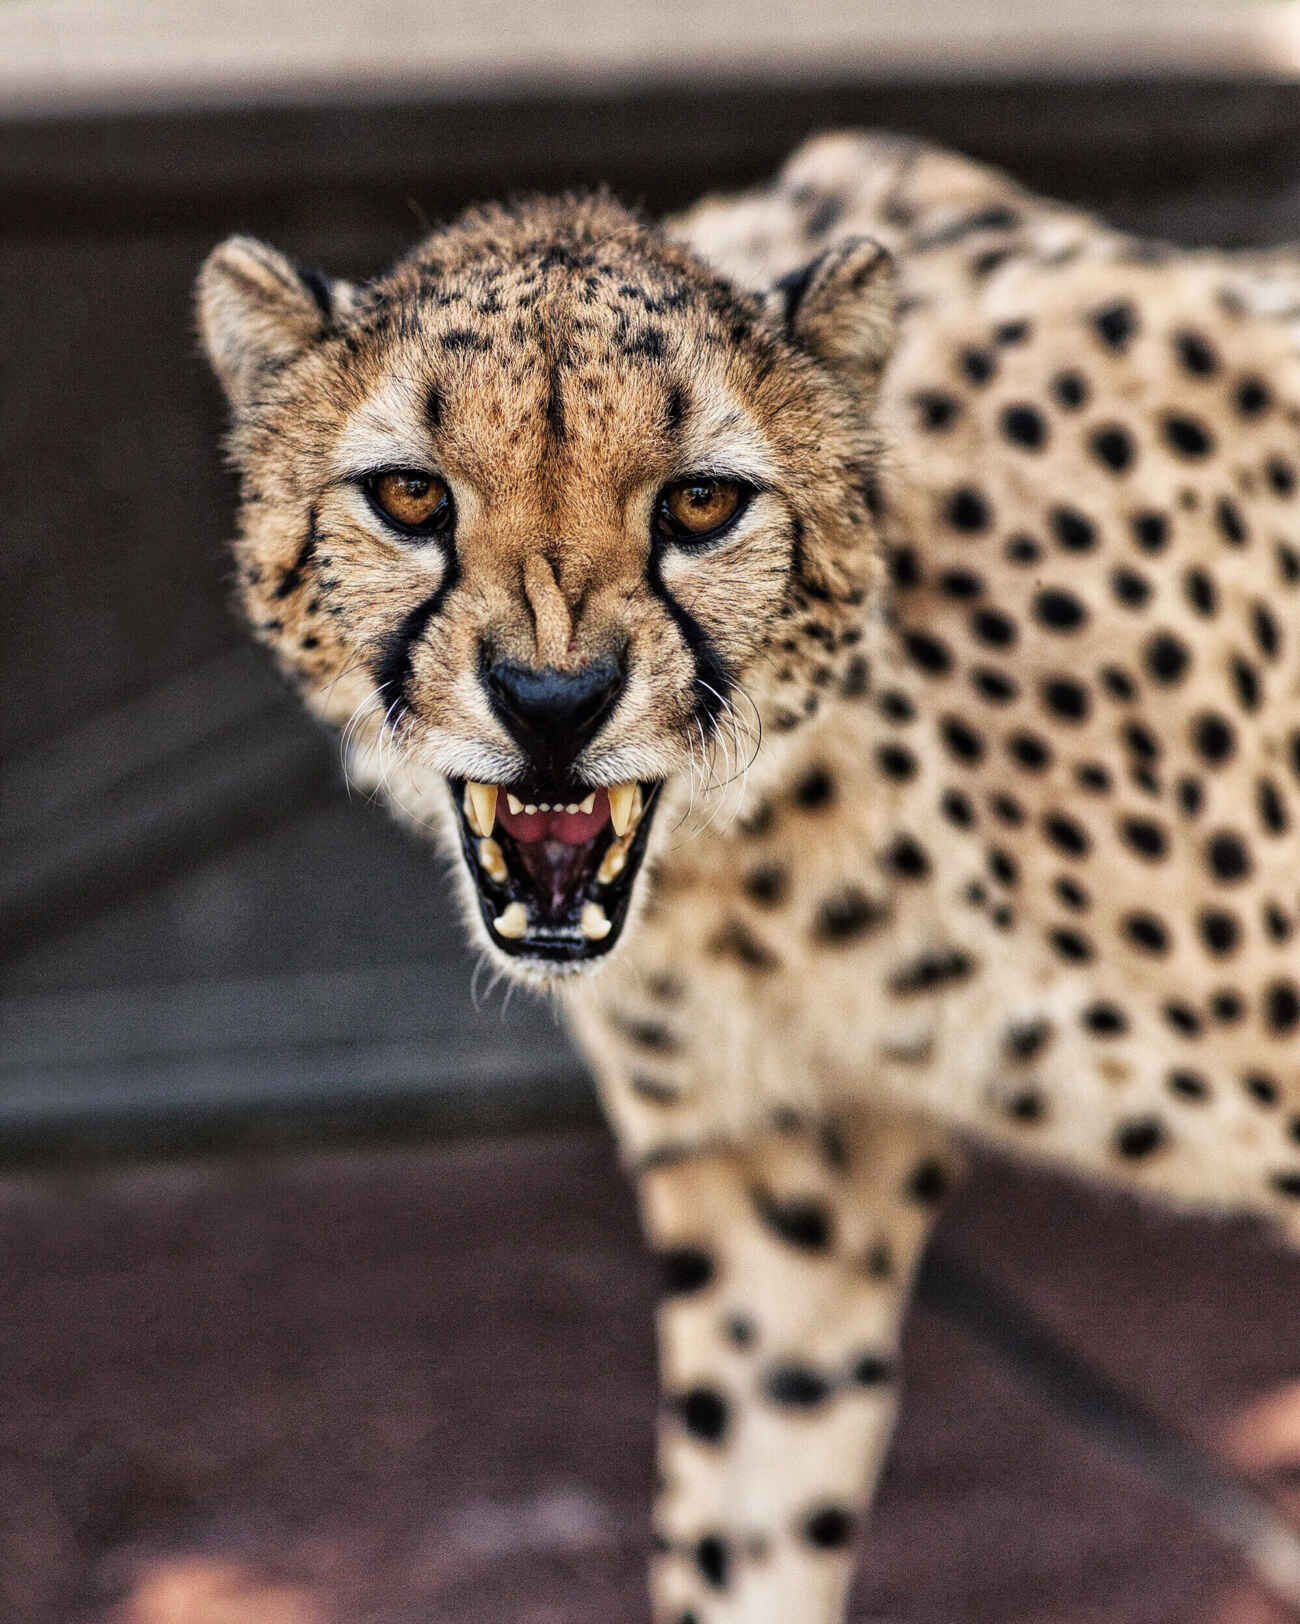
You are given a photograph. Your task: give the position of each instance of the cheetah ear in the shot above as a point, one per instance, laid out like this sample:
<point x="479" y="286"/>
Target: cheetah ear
<point x="257" y="310"/>
<point x="841" y="307"/>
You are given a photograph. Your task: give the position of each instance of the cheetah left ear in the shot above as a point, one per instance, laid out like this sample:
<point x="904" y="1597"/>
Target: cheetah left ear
<point x="842" y="306"/>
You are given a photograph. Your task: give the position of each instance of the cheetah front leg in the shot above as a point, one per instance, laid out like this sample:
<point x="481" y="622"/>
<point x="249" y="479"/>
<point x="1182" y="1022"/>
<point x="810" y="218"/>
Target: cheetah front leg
<point x="788" y="1268"/>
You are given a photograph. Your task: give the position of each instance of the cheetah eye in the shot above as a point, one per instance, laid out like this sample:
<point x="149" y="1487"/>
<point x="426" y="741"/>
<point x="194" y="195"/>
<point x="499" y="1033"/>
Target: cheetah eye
<point x="696" y="510"/>
<point x="416" y="503"/>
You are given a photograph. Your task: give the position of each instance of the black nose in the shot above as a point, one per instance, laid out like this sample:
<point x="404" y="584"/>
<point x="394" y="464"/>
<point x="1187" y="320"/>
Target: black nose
<point x="553" y="715"/>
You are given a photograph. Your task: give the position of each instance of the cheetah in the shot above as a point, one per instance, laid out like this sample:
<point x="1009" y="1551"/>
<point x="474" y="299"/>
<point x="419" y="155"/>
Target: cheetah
<point x="847" y="641"/>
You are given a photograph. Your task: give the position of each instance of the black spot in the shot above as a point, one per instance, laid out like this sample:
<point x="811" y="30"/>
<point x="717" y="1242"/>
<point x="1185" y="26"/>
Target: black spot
<point x="650" y="1035"/>
<point x="1226" y="1006"/>
<point x="978" y="365"/>
<point x="1073" y="530"/>
<point x="1227" y="516"/>
<point x="1003" y="867"/>
<point x="1030" y="751"/>
<point x="1093" y="777"/>
<point x="767" y="885"/>
<point x="1188" y="1085"/>
<point x="1166" y="657"/>
<point x="993" y="627"/>
<point x="1265" y="628"/>
<point x="686" y="1269"/>
<point x="740" y="1331"/>
<point x="1139" y="1138"/>
<point x="1059" y="610"/>
<point x="1287" y="1184"/>
<point x="1132" y="590"/>
<point x="1071" y="945"/>
<point x="1201" y="592"/>
<point x="1282" y="1007"/>
<point x="962" y="741"/>
<point x="1227" y="857"/>
<point x="1245" y="679"/>
<point x="1151" y="531"/>
<point x="1024" y="550"/>
<point x="1280" y="475"/>
<point x="1066" y="835"/>
<point x="904" y="567"/>
<point x="798" y="1221"/>
<point x="928" y="972"/>
<point x="1025" y="1041"/>
<point x="1147" y="932"/>
<point x="896" y="706"/>
<point x="713" y="1558"/>
<point x="1113" y="447"/>
<point x="1261" y="1087"/>
<point x="846" y="915"/>
<point x="906" y="858"/>
<point x="960" y="584"/>
<point x="704" y="1414"/>
<point x="1105" y="1020"/>
<point x="1115" y="324"/>
<point x="1253" y="397"/>
<point x="1146" y="838"/>
<point x="1071" y="893"/>
<point x="736" y="941"/>
<point x="465" y="339"/>
<point x="829" y="1528"/>
<point x="796" y="1386"/>
<point x="1141" y="740"/>
<point x="1025" y="426"/>
<point x="957" y="808"/>
<point x="1219" y="931"/>
<point x="966" y="509"/>
<point x="995" y="686"/>
<point x="814" y="790"/>
<point x="1184" y="1019"/>
<point x="1066" y="698"/>
<point x="1187" y="437"/>
<point x="871" y="1370"/>
<point x="1011" y="332"/>
<point x="927" y="1183"/>
<point x="896" y="761"/>
<point x="1271" y="808"/>
<point x="937" y="410"/>
<point x="1070" y="390"/>
<point x="1191" y="795"/>
<point x="1196" y="354"/>
<point x="928" y="652"/>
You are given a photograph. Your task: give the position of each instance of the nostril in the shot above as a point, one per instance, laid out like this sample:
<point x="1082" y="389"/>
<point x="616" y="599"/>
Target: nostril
<point x="553" y="714"/>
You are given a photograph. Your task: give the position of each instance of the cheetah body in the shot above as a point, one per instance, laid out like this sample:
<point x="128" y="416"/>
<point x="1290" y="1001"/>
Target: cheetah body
<point x="1018" y="854"/>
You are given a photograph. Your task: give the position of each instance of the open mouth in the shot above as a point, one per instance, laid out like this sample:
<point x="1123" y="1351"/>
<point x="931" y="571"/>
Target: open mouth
<point x="554" y="871"/>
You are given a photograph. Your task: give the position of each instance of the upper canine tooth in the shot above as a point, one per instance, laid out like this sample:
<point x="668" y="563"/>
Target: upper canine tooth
<point x="621" y="799"/>
<point x="514" y="803"/>
<point x="594" y="923"/>
<point x="513" y="922"/>
<point x="481" y="807"/>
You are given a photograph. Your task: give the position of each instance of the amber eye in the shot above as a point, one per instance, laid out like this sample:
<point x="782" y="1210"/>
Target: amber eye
<point x="694" y="509"/>
<point x="411" y="500"/>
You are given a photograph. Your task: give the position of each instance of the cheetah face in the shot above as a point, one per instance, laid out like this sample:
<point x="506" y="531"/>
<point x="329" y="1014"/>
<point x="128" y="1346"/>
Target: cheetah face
<point x="523" y="517"/>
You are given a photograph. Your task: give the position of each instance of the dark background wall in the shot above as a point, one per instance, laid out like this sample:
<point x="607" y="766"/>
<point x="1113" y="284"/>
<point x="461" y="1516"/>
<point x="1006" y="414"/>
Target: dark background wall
<point x="199" y="931"/>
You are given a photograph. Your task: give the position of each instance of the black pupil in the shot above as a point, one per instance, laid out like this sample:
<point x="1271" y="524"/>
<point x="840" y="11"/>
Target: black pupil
<point x="702" y="496"/>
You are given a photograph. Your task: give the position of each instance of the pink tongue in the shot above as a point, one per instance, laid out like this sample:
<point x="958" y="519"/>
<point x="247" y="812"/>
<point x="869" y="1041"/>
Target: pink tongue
<point x="569" y="828"/>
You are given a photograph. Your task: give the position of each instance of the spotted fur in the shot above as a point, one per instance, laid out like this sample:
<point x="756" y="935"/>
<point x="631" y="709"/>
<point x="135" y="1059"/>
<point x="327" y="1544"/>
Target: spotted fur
<point x="1018" y="616"/>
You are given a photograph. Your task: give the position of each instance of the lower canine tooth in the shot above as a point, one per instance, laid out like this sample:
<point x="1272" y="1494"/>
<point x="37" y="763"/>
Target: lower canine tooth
<point x="512" y="923"/>
<point x="612" y="864"/>
<point x="594" y="924"/>
<point x="493" y="861"/>
<point x="621" y="799"/>
<point x="481" y="807"/>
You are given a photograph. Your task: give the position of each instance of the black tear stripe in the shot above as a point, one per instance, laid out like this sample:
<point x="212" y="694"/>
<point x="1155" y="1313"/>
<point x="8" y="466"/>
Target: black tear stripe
<point x="433" y="407"/>
<point x="392" y="670"/>
<point x="291" y="580"/>
<point x="712" y="680"/>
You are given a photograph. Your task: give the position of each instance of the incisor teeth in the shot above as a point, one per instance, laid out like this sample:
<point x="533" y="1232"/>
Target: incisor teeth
<point x="530" y="811"/>
<point x="514" y="803"/>
<point x="571" y="808"/>
<point x="481" y="807"/>
<point x="512" y="923"/>
<point x="621" y="800"/>
<point x="594" y="924"/>
<point x="492" y="860"/>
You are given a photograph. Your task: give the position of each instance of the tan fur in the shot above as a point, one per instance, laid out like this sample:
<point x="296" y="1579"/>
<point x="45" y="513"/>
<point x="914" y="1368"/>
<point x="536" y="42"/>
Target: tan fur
<point x="1017" y="854"/>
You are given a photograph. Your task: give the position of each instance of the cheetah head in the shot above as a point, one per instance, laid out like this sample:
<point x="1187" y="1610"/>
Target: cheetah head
<point x="530" y="514"/>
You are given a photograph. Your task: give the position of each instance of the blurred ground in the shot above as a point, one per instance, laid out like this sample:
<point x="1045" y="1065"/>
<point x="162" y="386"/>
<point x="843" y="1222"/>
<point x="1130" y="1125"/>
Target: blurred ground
<point x="414" y="1386"/>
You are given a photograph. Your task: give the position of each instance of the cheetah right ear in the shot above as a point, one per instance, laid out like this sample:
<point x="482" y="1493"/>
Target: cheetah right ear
<point x="842" y="307"/>
<point x="257" y="310"/>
